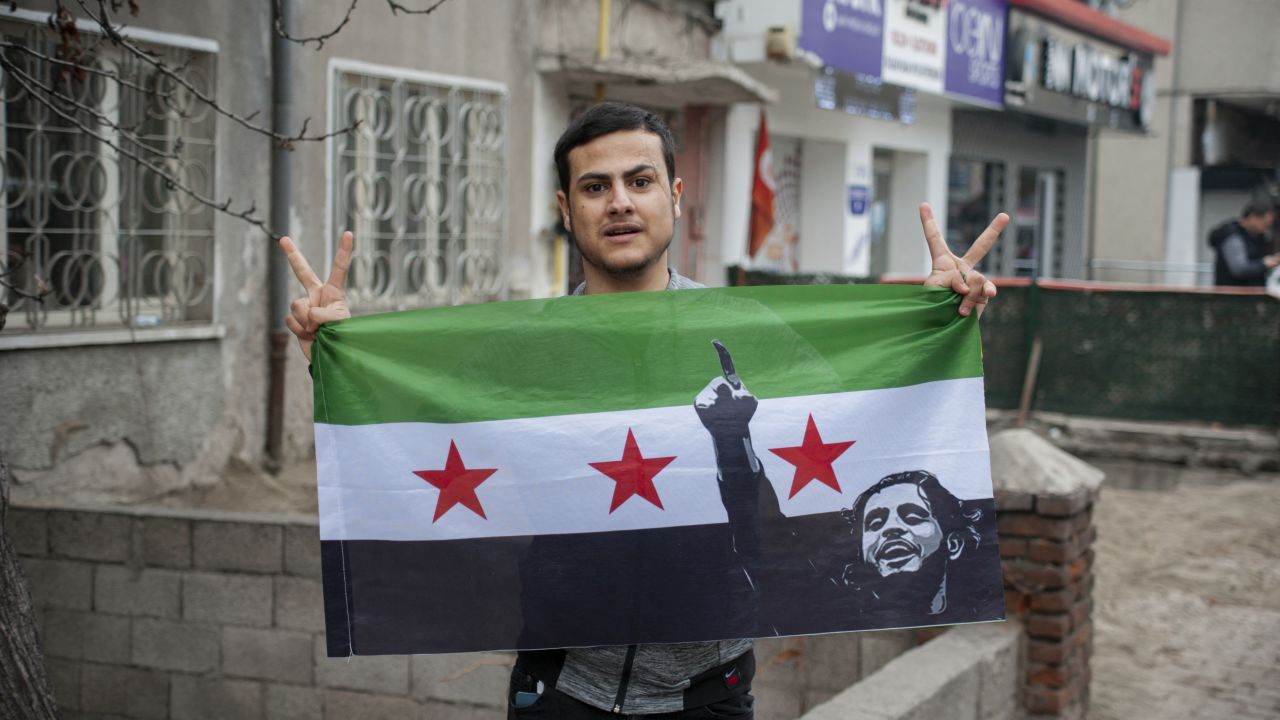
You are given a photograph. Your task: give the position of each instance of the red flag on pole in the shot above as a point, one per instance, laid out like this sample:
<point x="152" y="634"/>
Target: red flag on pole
<point x="761" y="192"/>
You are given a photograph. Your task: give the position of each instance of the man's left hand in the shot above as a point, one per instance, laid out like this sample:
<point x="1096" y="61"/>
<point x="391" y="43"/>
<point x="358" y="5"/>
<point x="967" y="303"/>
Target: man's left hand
<point x="958" y="273"/>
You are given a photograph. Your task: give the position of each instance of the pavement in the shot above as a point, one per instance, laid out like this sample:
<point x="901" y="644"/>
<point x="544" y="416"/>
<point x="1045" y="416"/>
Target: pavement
<point x="1187" y="600"/>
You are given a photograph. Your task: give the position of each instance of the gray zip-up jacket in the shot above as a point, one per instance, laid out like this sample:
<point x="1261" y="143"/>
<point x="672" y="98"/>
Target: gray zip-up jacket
<point x="659" y="673"/>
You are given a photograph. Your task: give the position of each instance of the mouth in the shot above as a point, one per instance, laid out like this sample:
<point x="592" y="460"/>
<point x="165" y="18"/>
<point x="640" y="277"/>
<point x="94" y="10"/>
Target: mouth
<point x="897" y="553"/>
<point x="622" y="233"/>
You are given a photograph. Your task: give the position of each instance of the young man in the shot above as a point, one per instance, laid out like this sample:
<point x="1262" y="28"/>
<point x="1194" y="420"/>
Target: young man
<point x="1241" y="247"/>
<point x="619" y="198"/>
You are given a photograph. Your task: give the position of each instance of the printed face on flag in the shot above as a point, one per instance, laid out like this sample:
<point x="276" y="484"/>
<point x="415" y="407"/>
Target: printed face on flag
<point x="620" y="208"/>
<point x="653" y="467"/>
<point x="899" y="530"/>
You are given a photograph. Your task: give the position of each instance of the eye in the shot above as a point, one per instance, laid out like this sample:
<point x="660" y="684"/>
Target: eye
<point x="594" y="188"/>
<point x="642" y="182"/>
<point x="912" y="517"/>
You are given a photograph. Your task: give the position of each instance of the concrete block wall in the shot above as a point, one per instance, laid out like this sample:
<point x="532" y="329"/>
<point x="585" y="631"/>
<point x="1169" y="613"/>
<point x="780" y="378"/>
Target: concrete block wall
<point x="183" y="615"/>
<point x="968" y="673"/>
<point x="190" y="615"/>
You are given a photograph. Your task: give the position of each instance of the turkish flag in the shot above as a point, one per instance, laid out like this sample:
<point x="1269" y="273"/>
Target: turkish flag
<point x="762" y="188"/>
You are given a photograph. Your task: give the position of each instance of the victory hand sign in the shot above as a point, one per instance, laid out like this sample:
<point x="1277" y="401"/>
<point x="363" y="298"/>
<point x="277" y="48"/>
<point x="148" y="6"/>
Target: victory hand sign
<point x="324" y="302"/>
<point x="957" y="273"/>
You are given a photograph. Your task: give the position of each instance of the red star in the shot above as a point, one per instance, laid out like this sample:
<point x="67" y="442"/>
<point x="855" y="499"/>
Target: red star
<point x="633" y="474"/>
<point x="813" y="459"/>
<point x="457" y="484"/>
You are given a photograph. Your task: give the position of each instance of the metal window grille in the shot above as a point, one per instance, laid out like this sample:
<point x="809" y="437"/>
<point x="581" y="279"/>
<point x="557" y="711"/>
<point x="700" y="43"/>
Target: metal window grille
<point x="421" y="181"/>
<point x="112" y="242"/>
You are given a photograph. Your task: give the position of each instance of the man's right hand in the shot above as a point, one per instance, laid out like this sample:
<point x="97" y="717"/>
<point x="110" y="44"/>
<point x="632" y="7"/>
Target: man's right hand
<point x="324" y="302"/>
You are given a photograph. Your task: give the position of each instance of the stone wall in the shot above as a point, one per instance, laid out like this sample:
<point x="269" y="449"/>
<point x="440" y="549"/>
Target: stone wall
<point x="158" y="614"/>
<point x="968" y="673"/>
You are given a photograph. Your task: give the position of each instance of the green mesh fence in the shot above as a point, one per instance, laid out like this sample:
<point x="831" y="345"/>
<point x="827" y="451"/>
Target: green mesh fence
<point x="1140" y="355"/>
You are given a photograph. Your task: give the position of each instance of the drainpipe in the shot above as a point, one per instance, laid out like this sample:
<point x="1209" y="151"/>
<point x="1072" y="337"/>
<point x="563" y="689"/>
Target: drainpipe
<point x="281" y="192"/>
<point x="602" y="43"/>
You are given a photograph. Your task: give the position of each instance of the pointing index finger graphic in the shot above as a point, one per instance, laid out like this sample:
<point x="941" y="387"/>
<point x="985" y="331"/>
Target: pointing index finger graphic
<point x="726" y="365"/>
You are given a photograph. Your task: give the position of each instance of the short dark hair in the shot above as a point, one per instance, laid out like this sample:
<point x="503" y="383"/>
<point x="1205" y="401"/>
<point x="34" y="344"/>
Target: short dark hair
<point x="611" y="117"/>
<point x="1257" y="207"/>
<point x="951" y="512"/>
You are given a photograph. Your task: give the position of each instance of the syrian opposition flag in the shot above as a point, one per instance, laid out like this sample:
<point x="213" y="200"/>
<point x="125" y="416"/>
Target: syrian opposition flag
<point x="535" y="474"/>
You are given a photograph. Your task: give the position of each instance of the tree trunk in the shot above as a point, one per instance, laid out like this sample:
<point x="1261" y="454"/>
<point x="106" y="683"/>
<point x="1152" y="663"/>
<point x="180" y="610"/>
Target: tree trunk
<point x="24" y="687"/>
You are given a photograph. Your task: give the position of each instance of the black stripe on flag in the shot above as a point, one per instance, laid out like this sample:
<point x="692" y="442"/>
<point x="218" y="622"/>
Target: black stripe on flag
<point x="677" y="584"/>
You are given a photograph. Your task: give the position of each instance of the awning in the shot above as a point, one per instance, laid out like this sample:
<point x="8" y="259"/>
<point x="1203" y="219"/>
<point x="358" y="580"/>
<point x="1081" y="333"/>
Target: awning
<point x="656" y="84"/>
<point x="1077" y="15"/>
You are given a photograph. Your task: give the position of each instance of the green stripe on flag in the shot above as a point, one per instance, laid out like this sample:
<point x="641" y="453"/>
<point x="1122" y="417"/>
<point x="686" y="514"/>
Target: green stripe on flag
<point x="533" y="358"/>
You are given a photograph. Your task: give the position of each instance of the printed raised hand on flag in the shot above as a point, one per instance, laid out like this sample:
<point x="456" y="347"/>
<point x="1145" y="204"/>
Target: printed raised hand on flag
<point x="958" y="273"/>
<point x="325" y="301"/>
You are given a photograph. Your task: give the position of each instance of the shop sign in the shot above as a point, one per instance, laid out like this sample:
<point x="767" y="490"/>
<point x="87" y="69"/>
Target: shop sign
<point x="1059" y="73"/>
<point x="951" y="47"/>
<point x="864" y="96"/>
<point x="846" y="34"/>
<point x="975" y="49"/>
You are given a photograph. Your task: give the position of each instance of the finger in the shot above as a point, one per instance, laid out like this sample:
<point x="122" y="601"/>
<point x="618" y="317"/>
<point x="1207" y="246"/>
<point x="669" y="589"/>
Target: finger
<point x="989" y="290"/>
<point x="710" y="393"/>
<point x="959" y="285"/>
<point x="342" y="261"/>
<point x="973" y="296"/>
<point x="320" y="316"/>
<point x="296" y="328"/>
<point x="301" y="269"/>
<point x="298" y="310"/>
<point x="983" y="244"/>
<point x="932" y="235"/>
<point x="726" y="364"/>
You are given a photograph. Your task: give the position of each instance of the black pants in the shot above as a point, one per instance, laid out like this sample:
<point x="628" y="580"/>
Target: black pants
<point x="555" y="705"/>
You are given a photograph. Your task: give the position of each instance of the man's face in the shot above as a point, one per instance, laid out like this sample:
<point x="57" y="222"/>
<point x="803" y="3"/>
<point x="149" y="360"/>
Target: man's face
<point x="620" y="207"/>
<point x="899" y="530"/>
<point x="1258" y="224"/>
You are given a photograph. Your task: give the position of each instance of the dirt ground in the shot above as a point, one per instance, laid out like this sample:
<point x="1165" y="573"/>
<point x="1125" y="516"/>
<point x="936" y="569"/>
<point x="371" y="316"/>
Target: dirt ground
<point x="1187" y="601"/>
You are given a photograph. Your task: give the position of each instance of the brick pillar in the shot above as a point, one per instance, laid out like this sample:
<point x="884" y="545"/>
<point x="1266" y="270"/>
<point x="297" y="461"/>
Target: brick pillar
<point x="1044" y="507"/>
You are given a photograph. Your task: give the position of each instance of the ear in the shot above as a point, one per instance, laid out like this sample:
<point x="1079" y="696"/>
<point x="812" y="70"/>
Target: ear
<point x="564" y="209"/>
<point x="677" y="189"/>
<point x="955" y="545"/>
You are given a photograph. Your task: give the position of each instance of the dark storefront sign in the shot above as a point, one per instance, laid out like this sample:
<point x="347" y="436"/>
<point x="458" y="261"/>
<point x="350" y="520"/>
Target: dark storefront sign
<point x="864" y="96"/>
<point x="1056" y="72"/>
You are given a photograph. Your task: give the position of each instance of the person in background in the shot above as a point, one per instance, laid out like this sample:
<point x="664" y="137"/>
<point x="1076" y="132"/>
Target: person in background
<point x="1241" y="247"/>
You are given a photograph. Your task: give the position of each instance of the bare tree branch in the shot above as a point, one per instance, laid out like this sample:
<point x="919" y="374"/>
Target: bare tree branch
<point x="318" y="39"/>
<point x="398" y="8"/>
<point x="129" y="133"/>
<point x="82" y="67"/>
<point x="249" y="214"/>
<point x="113" y="32"/>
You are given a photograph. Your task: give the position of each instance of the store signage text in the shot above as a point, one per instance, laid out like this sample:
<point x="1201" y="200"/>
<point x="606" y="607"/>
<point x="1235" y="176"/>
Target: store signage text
<point x="1097" y="76"/>
<point x="977" y="33"/>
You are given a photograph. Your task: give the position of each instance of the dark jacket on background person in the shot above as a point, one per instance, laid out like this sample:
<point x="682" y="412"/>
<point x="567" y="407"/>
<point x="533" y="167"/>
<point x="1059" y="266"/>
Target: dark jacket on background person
<point x="1239" y="256"/>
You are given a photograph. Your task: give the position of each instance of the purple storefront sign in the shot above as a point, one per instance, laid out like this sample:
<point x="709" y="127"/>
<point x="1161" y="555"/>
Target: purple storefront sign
<point x="847" y="35"/>
<point x="975" y="49"/>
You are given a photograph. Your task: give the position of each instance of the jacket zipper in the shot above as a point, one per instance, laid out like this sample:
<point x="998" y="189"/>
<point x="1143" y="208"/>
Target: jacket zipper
<point x="626" y="677"/>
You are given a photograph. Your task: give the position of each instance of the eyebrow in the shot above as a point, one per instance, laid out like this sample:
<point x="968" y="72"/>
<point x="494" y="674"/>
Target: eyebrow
<point x="637" y="170"/>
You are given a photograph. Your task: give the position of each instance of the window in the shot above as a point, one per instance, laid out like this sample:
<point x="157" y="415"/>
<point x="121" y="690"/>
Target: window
<point x="421" y="181"/>
<point x="110" y="240"/>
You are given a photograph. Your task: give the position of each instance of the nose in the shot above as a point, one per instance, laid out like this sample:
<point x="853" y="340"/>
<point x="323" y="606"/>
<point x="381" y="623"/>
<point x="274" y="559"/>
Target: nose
<point x="894" y="531"/>
<point x="620" y="201"/>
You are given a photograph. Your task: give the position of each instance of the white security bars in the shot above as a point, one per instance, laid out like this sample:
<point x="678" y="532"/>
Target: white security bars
<point x="421" y="181"/>
<point x="110" y="242"/>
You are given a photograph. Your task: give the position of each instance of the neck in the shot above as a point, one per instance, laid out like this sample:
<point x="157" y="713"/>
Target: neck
<point x="654" y="277"/>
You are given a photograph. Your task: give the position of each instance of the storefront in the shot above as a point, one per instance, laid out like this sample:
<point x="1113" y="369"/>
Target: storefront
<point x="861" y="133"/>
<point x="1070" y="72"/>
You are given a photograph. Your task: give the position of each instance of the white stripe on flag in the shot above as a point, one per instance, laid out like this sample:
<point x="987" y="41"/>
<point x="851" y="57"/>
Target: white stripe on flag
<point x="543" y="483"/>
